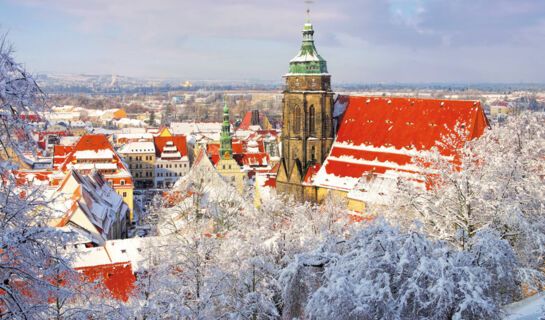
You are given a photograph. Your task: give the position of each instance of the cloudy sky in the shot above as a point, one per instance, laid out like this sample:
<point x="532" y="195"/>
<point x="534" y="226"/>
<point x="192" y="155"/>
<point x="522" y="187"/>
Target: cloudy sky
<point x="364" y="41"/>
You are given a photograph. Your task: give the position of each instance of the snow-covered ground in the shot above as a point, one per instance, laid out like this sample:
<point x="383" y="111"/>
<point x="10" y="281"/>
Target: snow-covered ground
<point x="527" y="309"/>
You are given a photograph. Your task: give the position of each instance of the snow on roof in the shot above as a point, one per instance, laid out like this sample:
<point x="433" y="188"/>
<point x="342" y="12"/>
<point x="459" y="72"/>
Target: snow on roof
<point x="129" y="122"/>
<point x="377" y="189"/>
<point x="96" y="198"/>
<point x="379" y="134"/>
<point x="138" y="147"/>
<point x="306" y="57"/>
<point x="133" y="250"/>
<point x="68" y="140"/>
<point x="188" y="128"/>
<point x="95" y="145"/>
<point x="98" y="166"/>
<point x="92" y="154"/>
<point x="142" y="135"/>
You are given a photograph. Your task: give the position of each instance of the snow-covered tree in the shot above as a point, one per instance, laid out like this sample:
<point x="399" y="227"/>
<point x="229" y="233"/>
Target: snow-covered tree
<point x="381" y="273"/>
<point x="29" y="264"/>
<point x="20" y="97"/>
<point x="494" y="182"/>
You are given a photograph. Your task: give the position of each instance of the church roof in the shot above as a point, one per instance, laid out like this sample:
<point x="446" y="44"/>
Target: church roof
<point x="380" y="134"/>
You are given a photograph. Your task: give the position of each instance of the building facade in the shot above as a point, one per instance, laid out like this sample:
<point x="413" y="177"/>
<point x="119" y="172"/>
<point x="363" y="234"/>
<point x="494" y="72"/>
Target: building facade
<point x="140" y="157"/>
<point x="308" y="132"/>
<point x="171" y="160"/>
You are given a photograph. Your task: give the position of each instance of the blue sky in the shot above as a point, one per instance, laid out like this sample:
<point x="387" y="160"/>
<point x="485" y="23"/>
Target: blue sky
<point x="364" y="41"/>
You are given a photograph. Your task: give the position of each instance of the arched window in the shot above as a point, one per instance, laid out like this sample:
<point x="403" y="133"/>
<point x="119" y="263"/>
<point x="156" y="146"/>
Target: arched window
<point x="297" y="120"/>
<point x="311" y="119"/>
<point x="313" y="154"/>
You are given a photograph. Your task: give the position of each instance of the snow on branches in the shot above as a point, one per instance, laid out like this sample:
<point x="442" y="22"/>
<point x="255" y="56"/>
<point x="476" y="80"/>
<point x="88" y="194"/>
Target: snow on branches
<point x="381" y="273"/>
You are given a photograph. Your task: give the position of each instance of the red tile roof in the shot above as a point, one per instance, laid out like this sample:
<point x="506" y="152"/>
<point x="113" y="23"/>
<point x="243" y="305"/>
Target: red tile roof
<point x="379" y="134"/>
<point x="312" y="171"/>
<point x="178" y="140"/>
<point x="96" y="142"/>
<point x="117" y="278"/>
<point x="60" y="153"/>
<point x="252" y="159"/>
<point x="247" y="120"/>
<point x="213" y="149"/>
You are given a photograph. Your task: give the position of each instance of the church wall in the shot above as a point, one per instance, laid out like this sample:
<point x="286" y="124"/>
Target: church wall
<point x="323" y="192"/>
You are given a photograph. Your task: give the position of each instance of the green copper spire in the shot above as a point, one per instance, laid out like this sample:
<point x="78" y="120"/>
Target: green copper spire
<point x="308" y="61"/>
<point x="226" y="149"/>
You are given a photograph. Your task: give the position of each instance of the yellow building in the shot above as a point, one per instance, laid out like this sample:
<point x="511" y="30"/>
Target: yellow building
<point x="226" y="165"/>
<point x="232" y="172"/>
<point x="140" y="157"/>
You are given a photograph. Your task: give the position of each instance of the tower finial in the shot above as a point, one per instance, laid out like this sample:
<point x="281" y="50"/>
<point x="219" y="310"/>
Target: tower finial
<point x="308" y="15"/>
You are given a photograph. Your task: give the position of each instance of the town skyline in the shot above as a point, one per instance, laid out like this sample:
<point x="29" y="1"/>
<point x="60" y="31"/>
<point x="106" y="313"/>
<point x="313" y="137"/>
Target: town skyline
<point x="407" y="41"/>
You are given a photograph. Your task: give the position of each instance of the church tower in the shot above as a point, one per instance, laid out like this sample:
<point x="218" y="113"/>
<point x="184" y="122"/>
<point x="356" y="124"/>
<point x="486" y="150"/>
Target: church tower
<point x="307" y="133"/>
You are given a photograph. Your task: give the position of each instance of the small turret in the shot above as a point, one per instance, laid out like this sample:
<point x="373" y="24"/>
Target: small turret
<point x="226" y="148"/>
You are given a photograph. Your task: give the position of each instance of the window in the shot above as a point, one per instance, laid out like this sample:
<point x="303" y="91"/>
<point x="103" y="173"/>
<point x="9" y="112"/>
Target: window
<point x="124" y="194"/>
<point x="311" y="119"/>
<point x="297" y="120"/>
<point x="122" y="182"/>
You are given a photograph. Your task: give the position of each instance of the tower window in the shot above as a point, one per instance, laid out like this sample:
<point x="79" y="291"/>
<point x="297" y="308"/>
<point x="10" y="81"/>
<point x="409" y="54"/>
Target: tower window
<point x="311" y="117"/>
<point x="297" y="120"/>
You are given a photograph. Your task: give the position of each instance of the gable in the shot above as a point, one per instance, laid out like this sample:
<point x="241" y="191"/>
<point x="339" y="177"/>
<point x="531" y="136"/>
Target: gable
<point x="281" y="172"/>
<point x="295" y="175"/>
